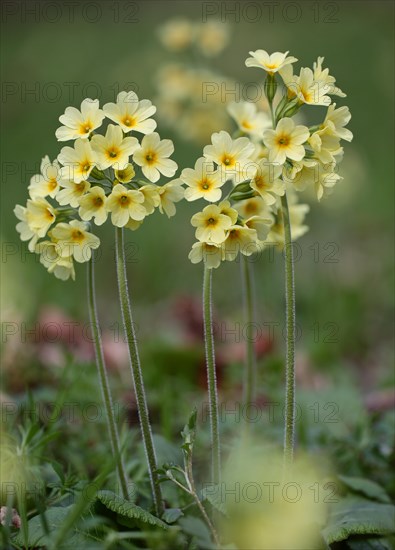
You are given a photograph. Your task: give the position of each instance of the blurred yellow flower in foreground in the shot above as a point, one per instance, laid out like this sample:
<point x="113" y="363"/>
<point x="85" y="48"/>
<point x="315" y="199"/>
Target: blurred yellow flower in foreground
<point x="267" y="511"/>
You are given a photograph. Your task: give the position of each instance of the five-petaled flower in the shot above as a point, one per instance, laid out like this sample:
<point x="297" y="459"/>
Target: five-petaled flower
<point x="153" y="157"/>
<point x="73" y="239"/>
<point x="286" y="141"/>
<point x="131" y="114"/>
<point x="211" y="224"/>
<point x="270" y="63"/>
<point x="203" y="181"/>
<point x="78" y="161"/>
<point x="113" y="149"/>
<point x="125" y="204"/>
<point x="80" y="124"/>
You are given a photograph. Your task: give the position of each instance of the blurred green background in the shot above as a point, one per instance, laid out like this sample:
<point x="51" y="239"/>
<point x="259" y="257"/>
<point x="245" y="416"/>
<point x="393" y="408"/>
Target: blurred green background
<point x="99" y="52"/>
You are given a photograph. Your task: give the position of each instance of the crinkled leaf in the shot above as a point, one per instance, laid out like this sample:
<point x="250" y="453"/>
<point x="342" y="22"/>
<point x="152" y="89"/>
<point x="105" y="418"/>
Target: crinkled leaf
<point x="351" y="516"/>
<point x="55" y="517"/>
<point x="127" y="509"/>
<point x="366" y="487"/>
<point x="377" y="543"/>
<point x="197" y="528"/>
<point x="213" y="495"/>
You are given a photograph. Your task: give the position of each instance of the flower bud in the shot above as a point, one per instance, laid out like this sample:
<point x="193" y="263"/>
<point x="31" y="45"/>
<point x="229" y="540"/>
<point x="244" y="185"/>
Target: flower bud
<point x="270" y="87"/>
<point x="291" y="108"/>
<point x="97" y="174"/>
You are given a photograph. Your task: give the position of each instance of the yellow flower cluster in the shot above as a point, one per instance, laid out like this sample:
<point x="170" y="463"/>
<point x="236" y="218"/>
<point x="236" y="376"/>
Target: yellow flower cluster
<point x="96" y="177"/>
<point x="209" y="37"/>
<point x="268" y="155"/>
<point x="190" y="93"/>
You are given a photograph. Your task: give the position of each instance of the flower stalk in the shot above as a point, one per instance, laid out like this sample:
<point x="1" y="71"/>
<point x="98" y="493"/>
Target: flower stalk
<point x="250" y="370"/>
<point x="211" y="374"/>
<point x="104" y="383"/>
<point x="135" y="366"/>
<point x="289" y="433"/>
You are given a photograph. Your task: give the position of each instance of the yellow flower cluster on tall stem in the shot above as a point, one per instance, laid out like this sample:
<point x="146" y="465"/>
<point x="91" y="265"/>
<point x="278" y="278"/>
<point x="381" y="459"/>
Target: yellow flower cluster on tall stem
<point x="263" y="166"/>
<point x="103" y="176"/>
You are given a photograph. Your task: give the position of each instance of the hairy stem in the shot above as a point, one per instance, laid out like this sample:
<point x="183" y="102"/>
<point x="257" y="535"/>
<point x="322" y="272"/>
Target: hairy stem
<point x="289" y="435"/>
<point x="136" y="370"/>
<point x="250" y="374"/>
<point x="103" y="379"/>
<point x="211" y="375"/>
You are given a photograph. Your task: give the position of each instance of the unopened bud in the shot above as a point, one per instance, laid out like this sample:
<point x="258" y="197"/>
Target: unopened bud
<point x="270" y="87"/>
<point x="97" y="174"/>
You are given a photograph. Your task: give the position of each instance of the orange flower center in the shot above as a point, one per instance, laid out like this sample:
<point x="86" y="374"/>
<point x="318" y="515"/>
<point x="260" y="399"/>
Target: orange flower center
<point x="77" y="235"/>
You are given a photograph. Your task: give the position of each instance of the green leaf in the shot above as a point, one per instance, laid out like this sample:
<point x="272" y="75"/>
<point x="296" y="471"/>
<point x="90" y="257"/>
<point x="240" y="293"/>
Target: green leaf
<point x="367" y="487"/>
<point x="352" y="516"/>
<point x="55" y="517"/>
<point x="213" y="495"/>
<point x="171" y="515"/>
<point x="127" y="509"/>
<point x="377" y="543"/>
<point x="189" y="432"/>
<point x="196" y="528"/>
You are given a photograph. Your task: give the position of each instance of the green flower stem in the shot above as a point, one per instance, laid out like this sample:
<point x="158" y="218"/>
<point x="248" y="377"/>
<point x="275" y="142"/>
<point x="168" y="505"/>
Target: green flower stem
<point x="289" y="434"/>
<point x="250" y="374"/>
<point x="136" y="370"/>
<point x="104" y="384"/>
<point x="272" y="114"/>
<point x="211" y="375"/>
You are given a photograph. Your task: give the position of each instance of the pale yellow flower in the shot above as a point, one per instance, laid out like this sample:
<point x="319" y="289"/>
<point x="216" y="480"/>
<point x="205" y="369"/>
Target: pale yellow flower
<point x="133" y="224"/>
<point x="260" y="225"/>
<point x="241" y="239"/>
<point x="73" y="239"/>
<point x="286" y="141"/>
<point x="152" y="197"/>
<point x="322" y="75"/>
<point x="232" y="155"/>
<point x="266" y="181"/>
<point x="175" y="82"/>
<point x="177" y="34"/>
<point x="252" y="207"/>
<point x="72" y="192"/>
<point x="309" y="90"/>
<point x="210" y="253"/>
<point x="80" y="124"/>
<point x="302" y="174"/>
<point x="113" y="149"/>
<point x="61" y="267"/>
<point x="226" y="209"/>
<point x="248" y="119"/>
<point x="211" y="224"/>
<point x="78" y="161"/>
<point x="311" y="173"/>
<point x="203" y="181"/>
<point x="125" y="204"/>
<point x="260" y="152"/>
<point x="46" y="183"/>
<point x="153" y="157"/>
<point x="339" y="118"/>
<point x="35" y="220"/>
<point x="326" y="181"/>
<point x="297" y="214"/>
<point x="270" y="63"/>
<point x="131" y="114"/>
<point x="212" y="37"/>
<point x="170" y="193"/>
<point x="93" y="205"/>
<point x="325" y="143"/>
